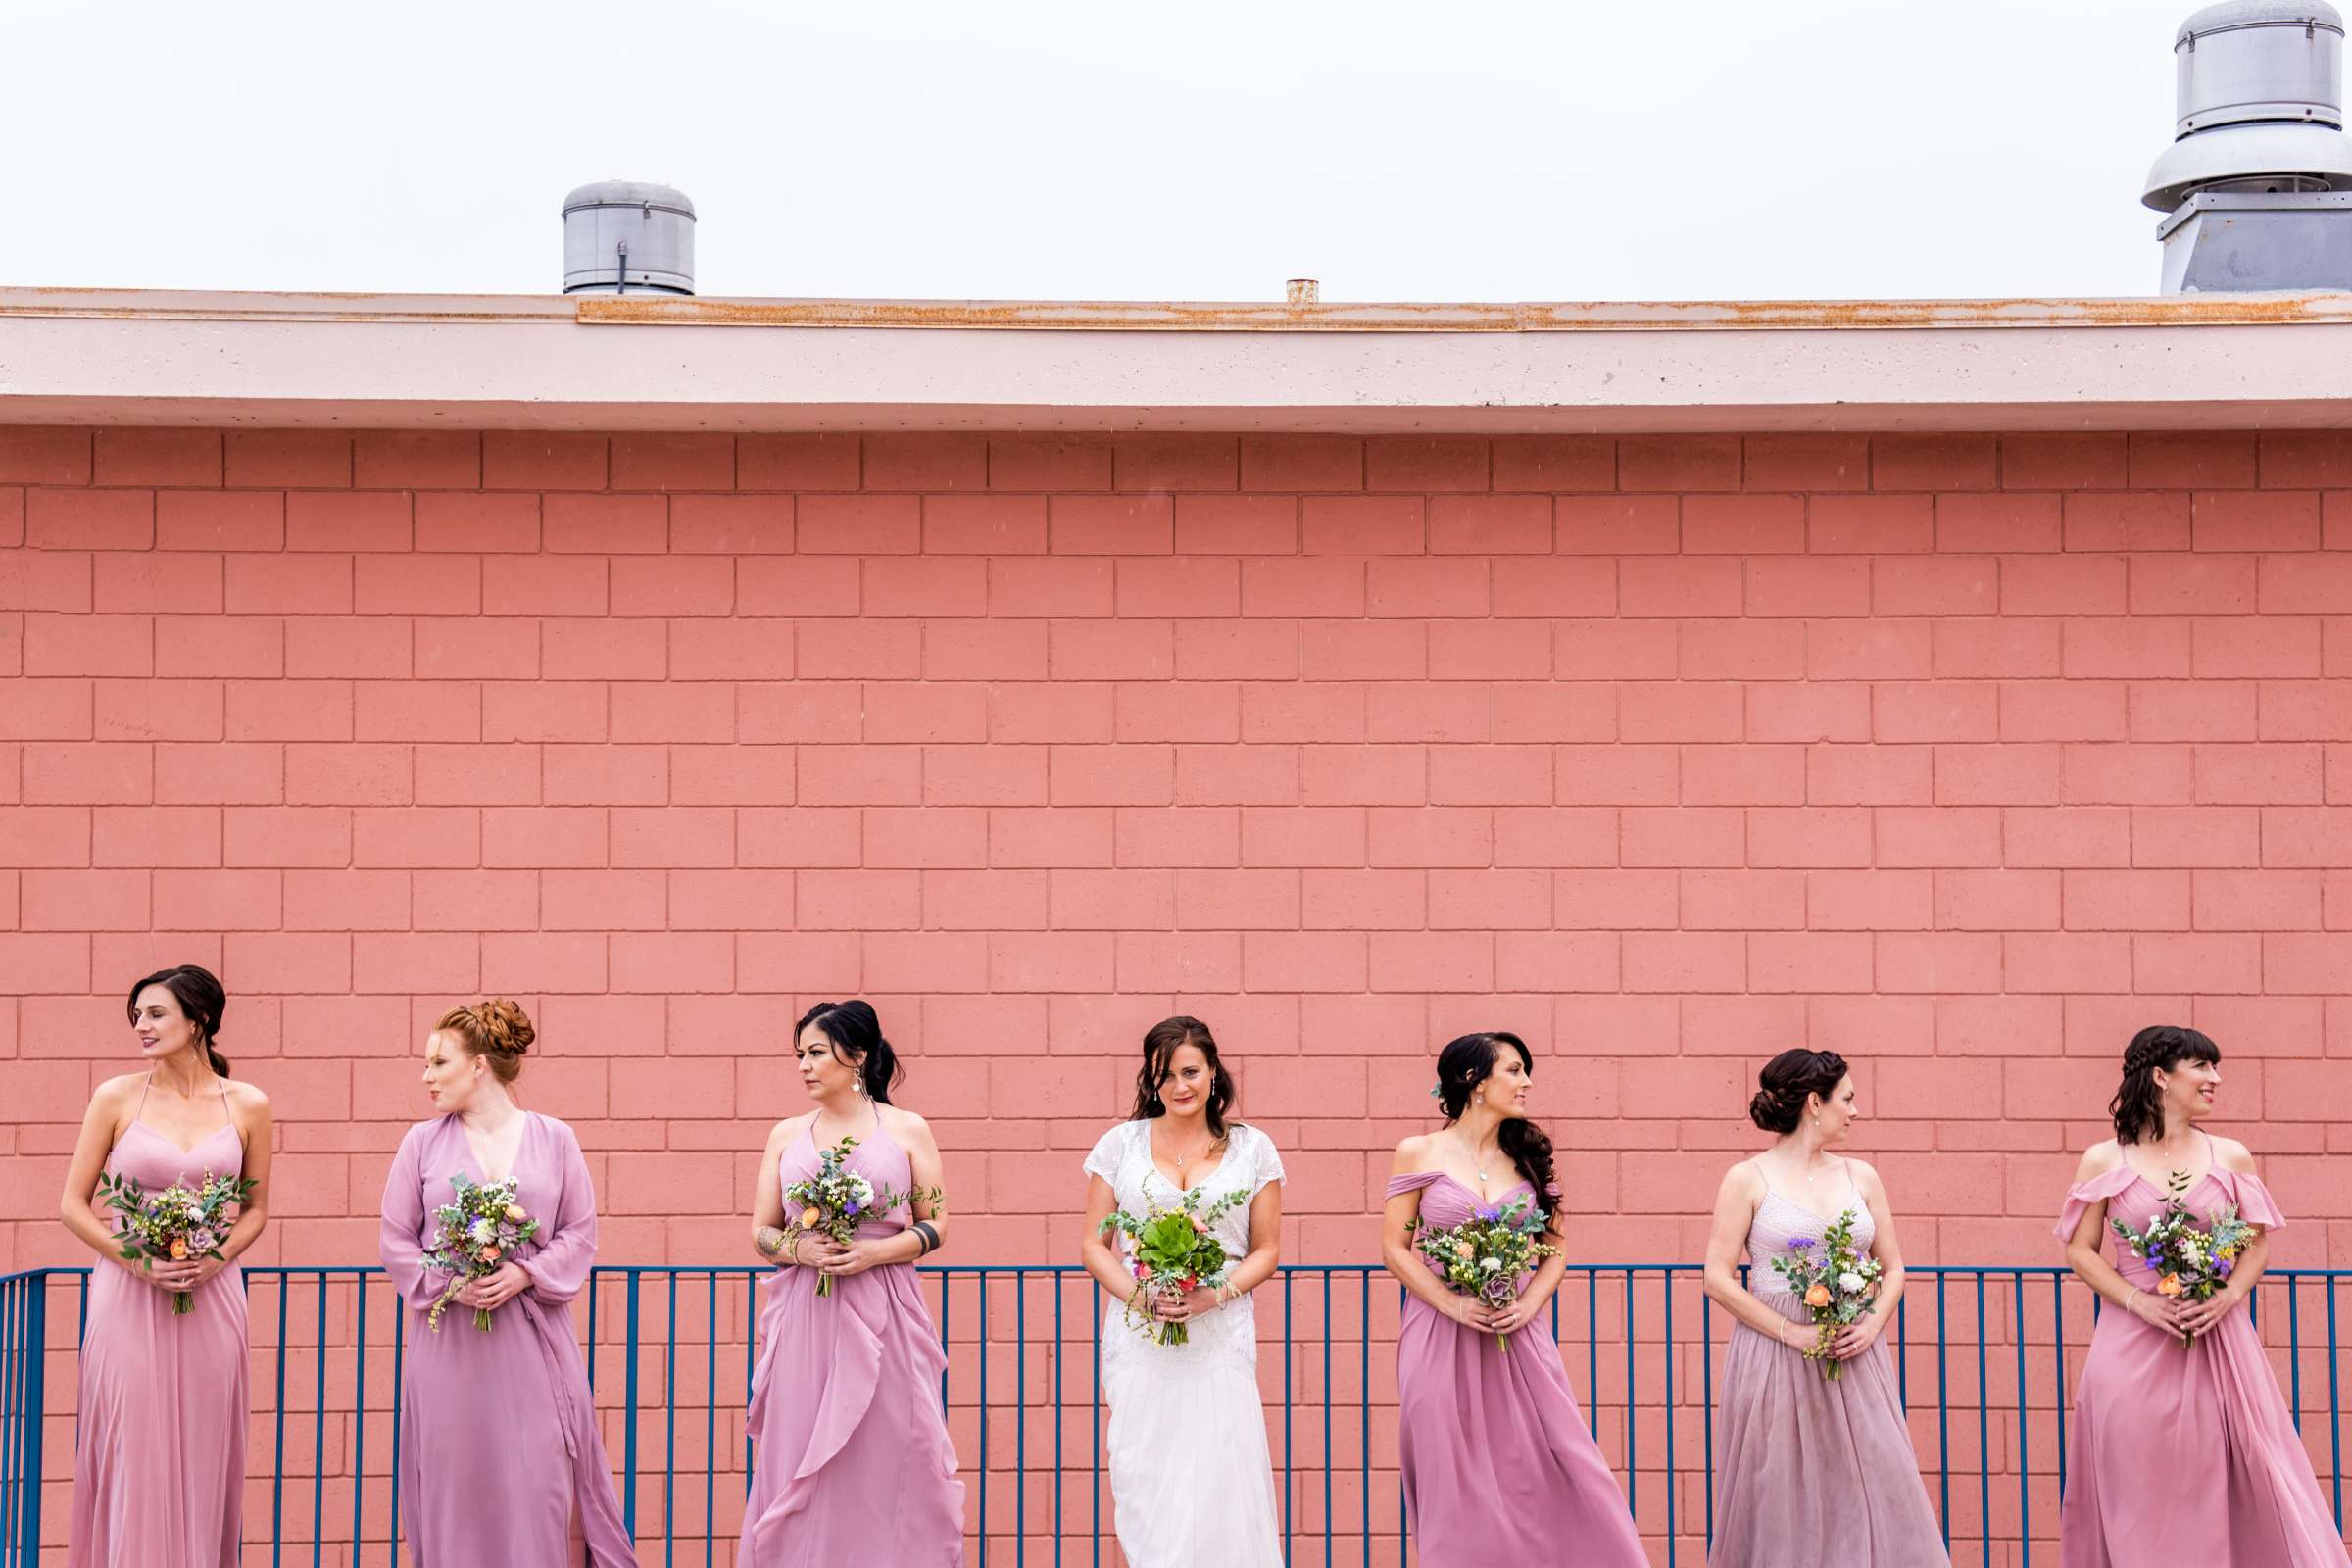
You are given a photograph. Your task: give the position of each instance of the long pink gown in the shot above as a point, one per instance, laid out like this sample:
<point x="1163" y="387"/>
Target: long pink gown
<point x="160" y="1478"/>
<point x="1808" y="1470"/>
<point x="852" y="1463"/>
<point x="499" y="1444"/>
<point x="1498" y="1467"/>
<point x="2184" y="1453"/>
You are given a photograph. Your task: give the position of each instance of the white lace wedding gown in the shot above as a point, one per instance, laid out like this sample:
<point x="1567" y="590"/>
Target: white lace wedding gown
<point x="1191" y="1483"/>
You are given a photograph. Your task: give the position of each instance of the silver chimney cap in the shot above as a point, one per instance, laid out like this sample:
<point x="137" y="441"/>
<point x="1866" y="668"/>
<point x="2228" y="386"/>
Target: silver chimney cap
<point x="2259" y="89"/>
<point x="623" y="234"/>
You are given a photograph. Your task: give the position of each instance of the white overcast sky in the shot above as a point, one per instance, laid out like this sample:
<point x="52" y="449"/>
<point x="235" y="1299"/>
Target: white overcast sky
<point x="1565" y="150"/>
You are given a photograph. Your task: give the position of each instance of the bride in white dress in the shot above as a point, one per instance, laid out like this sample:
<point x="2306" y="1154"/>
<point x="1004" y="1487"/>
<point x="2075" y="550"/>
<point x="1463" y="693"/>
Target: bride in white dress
<point x="1190" y="1482"/>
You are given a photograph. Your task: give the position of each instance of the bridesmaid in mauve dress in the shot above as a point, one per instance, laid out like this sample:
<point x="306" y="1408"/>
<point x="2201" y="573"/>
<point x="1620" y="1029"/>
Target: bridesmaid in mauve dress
<point x="159" y="1479"/>
<point x="852" y="1461"/>
<point x="499" y="1446"/>
<point x="1807" y="1469"/>
<point x="1498" y="1467"/>
<point x="2178" y="1454"/>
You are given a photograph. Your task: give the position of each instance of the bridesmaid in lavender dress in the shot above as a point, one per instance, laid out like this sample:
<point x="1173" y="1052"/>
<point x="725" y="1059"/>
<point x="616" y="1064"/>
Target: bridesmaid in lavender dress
<point x="499" y="1448"/>
<point x="853" y="1462"/>
<point x="2178" y="1454"/>
<point x="1498" y="1465"/>
<point x="159" y="1480"/>
<point x="1806" y="1468"/>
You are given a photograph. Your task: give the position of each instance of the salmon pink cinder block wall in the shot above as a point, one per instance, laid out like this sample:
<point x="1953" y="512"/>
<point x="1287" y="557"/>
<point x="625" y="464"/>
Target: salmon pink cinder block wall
<point x="1964" y="756"/>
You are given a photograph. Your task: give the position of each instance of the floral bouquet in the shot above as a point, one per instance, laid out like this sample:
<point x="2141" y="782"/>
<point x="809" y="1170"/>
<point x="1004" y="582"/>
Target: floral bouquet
<point x="178" y="1223"/>
<point x="832" y="1201"/>
<point x="472" y="1236"/>
<point x="1837" y="1287"/>
<point x="2187" y="1259"/>
<point x="1172" y="1254"/>
<point x="1485" y="1255"/>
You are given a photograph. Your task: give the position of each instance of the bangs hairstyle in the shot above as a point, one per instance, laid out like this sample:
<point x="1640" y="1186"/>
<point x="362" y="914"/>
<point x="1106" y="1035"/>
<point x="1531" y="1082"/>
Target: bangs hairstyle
<point x="2138" y="1104"/>
<point x="1162" y="1041"/>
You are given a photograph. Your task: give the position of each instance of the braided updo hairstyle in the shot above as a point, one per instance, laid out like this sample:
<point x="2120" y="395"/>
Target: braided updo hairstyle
<point x="2138" y="1104"/>
<point x="1467" y="1063"/>
<point x="1788" y="1080"/>
<point x="497" y="1029"/>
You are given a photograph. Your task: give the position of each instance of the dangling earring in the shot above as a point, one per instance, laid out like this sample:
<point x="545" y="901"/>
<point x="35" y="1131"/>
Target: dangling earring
<point x="859" y="1084"/>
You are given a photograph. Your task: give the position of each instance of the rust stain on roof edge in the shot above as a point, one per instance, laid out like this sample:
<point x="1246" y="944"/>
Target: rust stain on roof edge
<point x="2185" y="310"/>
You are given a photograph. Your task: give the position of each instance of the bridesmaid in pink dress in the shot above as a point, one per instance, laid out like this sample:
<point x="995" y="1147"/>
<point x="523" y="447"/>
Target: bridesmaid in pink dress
<point x="2178" y="1454"/>
<point x="853" y="1463"/>
<point x="1806" y="1469"/>
<point x="499" y="1448"/>
<point x="1498" y="1467"/>
<point x="159" y="1480"/>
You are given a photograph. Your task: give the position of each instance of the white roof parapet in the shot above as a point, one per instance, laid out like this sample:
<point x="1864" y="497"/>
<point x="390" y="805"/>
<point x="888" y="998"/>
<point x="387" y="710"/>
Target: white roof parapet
<point x="649" y="363"/>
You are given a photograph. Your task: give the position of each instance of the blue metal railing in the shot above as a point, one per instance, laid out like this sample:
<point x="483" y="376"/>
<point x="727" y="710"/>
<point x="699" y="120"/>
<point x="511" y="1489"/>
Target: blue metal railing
<point x="670" y="1357"/>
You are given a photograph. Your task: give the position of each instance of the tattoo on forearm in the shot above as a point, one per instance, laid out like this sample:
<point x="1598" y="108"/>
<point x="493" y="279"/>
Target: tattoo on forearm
<point x="769" y="1239"/>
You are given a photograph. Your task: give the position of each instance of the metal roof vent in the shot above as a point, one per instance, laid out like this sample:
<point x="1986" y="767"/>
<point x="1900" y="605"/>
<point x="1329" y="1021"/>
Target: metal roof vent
<point x="2258" y="183"/>
<point x="622" y="235"/>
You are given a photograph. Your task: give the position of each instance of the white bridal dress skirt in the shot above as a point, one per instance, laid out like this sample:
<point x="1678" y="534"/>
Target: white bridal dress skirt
<point x="1191" y="1485"/>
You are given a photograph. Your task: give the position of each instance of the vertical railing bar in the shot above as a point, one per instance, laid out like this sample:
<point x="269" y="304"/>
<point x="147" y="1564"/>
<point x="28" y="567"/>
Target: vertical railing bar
<point x="1363" y="1406"/>
<point x="1020" y="1417"/>
<point x="2024" y="1511"/>
<point x="400" y="1390"/>
<point x="13" y="1356"/>
<point x="2335" y="1412"/>
<point x="1094" y="1412"/>
<point x="711" y="1421"/>
<point x="359" y="1417"/>
<point x="1667" y="1278"/>
<point x="1633" y="1473"/>
<point x="35" y="1394"/>
<point x="1593" y="1349"/>
<point x="1327" y="1521"/>
<point x="1984" y="1430"/>
<point x="751" y="1359"/>
<point x="1943" y="1406"/>
<point x="2058" y="1367"/>
<point x="1061" y="1354"/>
<point x="670" y="1424"/>
<point x="592" y="1274"/>
<point x="1288" y="1480"/>
<point x="319" y="1436"/>
<point x="983" y="1280"/>
<point x="2294" y="1353"/>
<point x="277" y="1463"/>
<point x="628" y="1398"/>
<point x="1706" y="1373"/>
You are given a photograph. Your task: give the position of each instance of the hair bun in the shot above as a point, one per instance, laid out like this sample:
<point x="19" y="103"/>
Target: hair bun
<point x="1765" y="1109"/>
<point x="506" y="1028"/>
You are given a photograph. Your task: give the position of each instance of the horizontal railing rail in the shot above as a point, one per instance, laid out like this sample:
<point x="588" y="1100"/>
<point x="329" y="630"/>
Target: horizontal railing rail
<point x="1984" y="1357"/>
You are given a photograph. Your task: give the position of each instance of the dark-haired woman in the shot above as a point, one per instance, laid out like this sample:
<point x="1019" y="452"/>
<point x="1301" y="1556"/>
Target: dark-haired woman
<point x="499" y="1446"/>
<point x="1498" y="1465"/>
<point x="2180" y="1453"/>
<point x="1805" y="1465"/>
<point x="1191" y="1481"/>
<point x="853" y="1462"/>
<point x="159" y="1479"/>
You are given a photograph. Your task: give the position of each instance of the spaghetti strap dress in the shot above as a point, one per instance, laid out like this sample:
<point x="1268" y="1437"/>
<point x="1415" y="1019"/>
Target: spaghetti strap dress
<point x="158" y="1481"/>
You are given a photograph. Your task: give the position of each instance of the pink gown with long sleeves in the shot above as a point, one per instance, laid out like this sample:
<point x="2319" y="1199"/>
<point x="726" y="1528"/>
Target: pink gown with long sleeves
<point x="498" y="1435"/>
<point x="2184" y="1453"/>
<point x="1498" y="1467"/>
<point x="158" y="1481"/>
<point x="851" y="1462"/>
